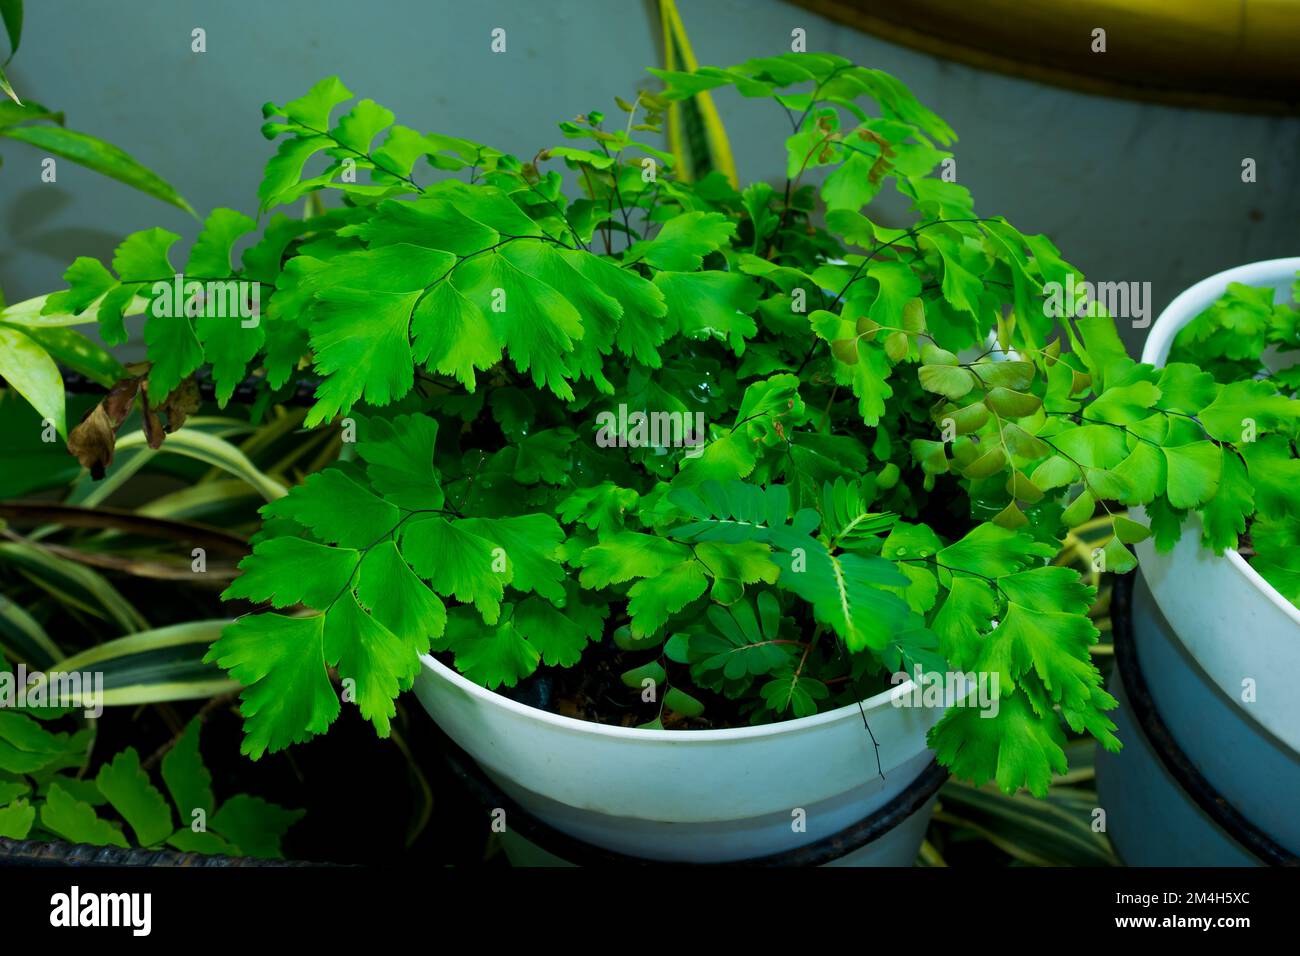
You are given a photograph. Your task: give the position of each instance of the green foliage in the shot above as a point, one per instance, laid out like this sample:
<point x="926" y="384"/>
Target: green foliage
<point x="41" y="798"/>
<point x="881" y="434"/>
<point x="1250" y="344"/>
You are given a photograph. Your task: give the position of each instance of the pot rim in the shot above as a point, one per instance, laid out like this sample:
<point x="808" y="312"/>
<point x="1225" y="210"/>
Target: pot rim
<point x="1186" y="306"/>
<point x="676" y="737"/>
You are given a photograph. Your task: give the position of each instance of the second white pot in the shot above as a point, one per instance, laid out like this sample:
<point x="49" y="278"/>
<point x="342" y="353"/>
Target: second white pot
<point x="1237" y="627"/>
<point x="1219" y="651"/>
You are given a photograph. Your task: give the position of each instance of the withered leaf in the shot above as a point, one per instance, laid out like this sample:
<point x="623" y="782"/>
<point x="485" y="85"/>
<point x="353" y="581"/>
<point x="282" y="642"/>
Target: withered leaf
<point x="117" y="404"/>
<point x="181" y="403"/>
<point x="151" y="425"/>
<point x="878" y="170"/>
<point x="94" y="440"/>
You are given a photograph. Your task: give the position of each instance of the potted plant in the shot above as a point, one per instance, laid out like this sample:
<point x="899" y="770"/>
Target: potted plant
<point x="1214" y="618"/>
<point x="699" y="516"/>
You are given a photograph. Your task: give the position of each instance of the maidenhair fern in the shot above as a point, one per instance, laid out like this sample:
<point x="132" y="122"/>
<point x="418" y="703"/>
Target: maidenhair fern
<point x="877" y="489"/>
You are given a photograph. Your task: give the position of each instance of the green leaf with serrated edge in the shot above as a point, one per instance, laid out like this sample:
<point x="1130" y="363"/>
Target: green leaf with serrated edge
<point x="536" y="323"/>
<point x="491" y="656"/>
<point x="431" y="221"/>
<point x="173" y="350"/>
<point x="457" y="563"/>
<point x="337" y="510"/>
<point x="1223" y="517"/>
<point x="530" y="544"/>
<point x="255" y="825"/>
<point x="1274" y="473"/>
<point x="1145" y="471"/>
<point x="77" y="822"/>
<point x="711" y="305"/>
<point x="1185" y="388"/>
<point x="651" y="601"/>
<point x="229" y="337"/>
<point x="289" y="571"/>
<point x="684" y="241"/>
<point x="1166" y="523"/>
<point x="992" y="551"/>
<point x="1093" y="446"/>
<point x="735" y="565"/>
<point x="601" y="508"/>
<point x="1249" y="407"/>
<point x="140" y="803"/>
<point x="451" y="335"/>
<point x="187" y="779"/>
<point x="87" y="281"/>
<point x="1045" y="628"/>
<point x="1125" y="404"/>
<point x="544" y="456"/>
<point x="11" y="790"/>
<point x="400" y="601"/>
<point x="642" y="330"/>
<point x="601" y="313"/>
<point x="360" y="125"/>
<point x="1194" y="472"/>
<point x="373" y="663"/>
<point x="960" y="287"/>
<point x="206" y="842"/>
<point x="210" y="254"/>
<point x="1017" y="748"/>
<point x="287" y="695"/>
<point x="1277" y="555"/>
<point x="16" y="819"/>
<point x="399" y="459"/>
<point x="27" y="747"/>
<point x="360" y="325"/>
<point x="560" y="634"/>
<point x="963" y="620"/>
<point x="629" y="555"/>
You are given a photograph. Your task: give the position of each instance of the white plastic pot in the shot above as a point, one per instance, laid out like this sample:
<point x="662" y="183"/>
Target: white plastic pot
<point x="1232" y="622"/>
<point x="1197" y="782"/>
<point x="1219" y="650"/>
<point x="698" y="795"/>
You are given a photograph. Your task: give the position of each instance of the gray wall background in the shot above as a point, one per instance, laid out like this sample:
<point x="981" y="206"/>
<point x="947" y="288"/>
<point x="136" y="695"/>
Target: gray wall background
<point x="1129" y="191"/>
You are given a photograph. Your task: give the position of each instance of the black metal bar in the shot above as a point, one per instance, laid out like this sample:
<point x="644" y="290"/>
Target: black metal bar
<point x="304" y="395"/>
<point x="34" y="853"/>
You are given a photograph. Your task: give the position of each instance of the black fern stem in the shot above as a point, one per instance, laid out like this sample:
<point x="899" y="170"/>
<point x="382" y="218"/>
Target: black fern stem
<point x="245" y="392"/>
